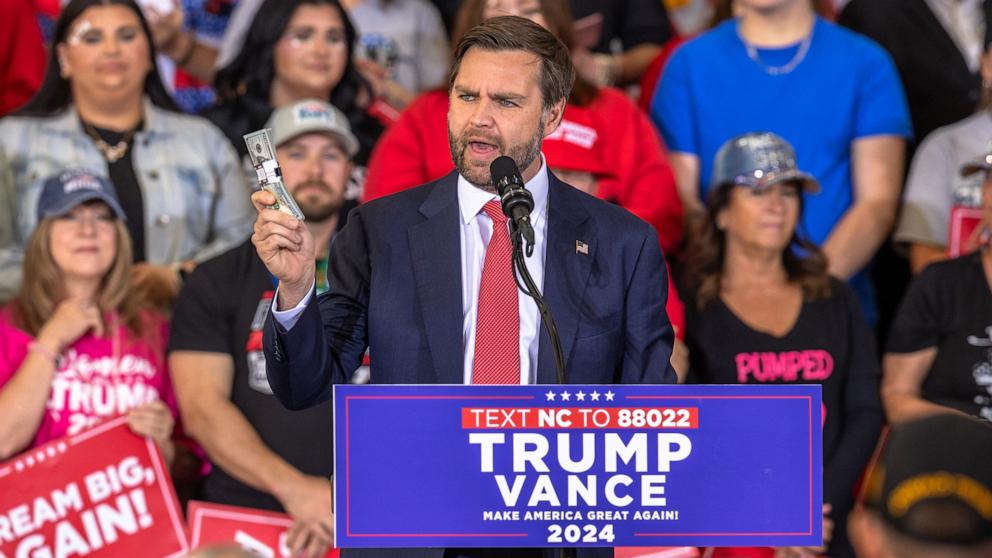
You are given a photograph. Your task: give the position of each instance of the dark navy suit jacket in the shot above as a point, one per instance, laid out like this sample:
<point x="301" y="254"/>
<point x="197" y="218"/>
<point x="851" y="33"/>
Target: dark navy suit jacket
<point x="396" y="287"/>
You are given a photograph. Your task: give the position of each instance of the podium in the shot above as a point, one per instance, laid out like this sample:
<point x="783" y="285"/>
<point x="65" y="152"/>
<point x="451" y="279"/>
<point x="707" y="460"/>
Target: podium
<point x="577" y="466"/>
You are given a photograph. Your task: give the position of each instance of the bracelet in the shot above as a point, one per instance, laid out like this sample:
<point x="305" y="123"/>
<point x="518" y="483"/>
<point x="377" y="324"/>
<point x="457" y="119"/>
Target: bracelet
<point x="38" y="347"/>
<point x="186" y="56"/>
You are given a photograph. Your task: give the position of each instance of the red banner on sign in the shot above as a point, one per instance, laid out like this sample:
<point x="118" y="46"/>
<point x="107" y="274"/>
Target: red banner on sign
<point x="504" y="418"/>
<point x="102" y="492"/>
<point x="261" y="532"/>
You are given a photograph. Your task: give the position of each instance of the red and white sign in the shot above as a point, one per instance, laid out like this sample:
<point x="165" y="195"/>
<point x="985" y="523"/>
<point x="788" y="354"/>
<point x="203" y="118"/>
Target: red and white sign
<point x="961" y="237"/>
<point x="261" y="532"/>
<point x="102" y="492"/>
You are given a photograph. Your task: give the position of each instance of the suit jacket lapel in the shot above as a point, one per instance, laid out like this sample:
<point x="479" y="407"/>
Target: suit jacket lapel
<point x="930" y="23"/>
<point x="435" y="252"/>
<point x="566" y="270"/>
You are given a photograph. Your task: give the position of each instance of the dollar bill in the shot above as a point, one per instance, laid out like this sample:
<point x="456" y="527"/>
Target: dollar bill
<point x="260" y="147"/>
<point x="263" y="158"/>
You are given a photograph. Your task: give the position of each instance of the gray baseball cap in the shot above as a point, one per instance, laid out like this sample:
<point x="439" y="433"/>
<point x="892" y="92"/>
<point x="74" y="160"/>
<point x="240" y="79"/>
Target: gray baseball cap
<point x="311" y="115"/>
<point x="71" y="187"/>
<point x="759" y="160"/>
<point x="983" y="163"/>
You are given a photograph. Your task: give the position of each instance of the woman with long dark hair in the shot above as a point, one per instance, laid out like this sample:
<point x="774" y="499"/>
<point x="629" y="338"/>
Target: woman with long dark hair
<point x="77" y="344"/>
<point x="102" y="106"/>
<point x="294" y="50"/>
<point x="761" y="308"/>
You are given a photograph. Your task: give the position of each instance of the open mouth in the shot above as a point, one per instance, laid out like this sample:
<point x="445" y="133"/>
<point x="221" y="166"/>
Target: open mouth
<point x="482" y="148"/>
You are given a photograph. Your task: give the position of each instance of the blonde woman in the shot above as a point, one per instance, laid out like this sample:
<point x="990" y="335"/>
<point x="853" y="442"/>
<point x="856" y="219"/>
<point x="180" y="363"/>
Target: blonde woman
<point x="76" y="344"/>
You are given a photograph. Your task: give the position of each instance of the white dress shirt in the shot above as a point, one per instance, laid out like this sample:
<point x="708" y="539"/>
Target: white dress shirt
<point x="474" y="233"/>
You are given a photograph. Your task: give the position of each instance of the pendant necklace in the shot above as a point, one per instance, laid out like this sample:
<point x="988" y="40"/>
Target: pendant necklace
<point x="752" y="53"/>
<point x="112" y="153"/>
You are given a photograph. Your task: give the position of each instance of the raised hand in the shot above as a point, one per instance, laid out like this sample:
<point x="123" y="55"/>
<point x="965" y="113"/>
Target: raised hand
<point x="286" y="248"/>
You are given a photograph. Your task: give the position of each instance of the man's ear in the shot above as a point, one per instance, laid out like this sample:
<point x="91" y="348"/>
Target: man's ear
<point x="552" y="116"/>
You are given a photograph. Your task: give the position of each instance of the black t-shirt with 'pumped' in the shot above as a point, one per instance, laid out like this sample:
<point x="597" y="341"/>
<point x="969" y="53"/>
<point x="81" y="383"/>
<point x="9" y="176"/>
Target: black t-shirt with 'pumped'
<point x="830" y="345"/>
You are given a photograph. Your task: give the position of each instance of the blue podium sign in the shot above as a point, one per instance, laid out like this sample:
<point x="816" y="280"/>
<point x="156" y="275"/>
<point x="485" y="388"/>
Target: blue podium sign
<point x="577" y="465"/>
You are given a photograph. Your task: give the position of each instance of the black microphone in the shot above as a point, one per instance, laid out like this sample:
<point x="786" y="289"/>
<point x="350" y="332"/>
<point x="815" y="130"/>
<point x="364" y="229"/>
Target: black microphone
<point x="516" y="200"/>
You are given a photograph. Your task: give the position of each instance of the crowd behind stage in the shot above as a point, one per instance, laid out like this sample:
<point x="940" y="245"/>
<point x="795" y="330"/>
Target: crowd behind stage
<point x="867" y="269"/>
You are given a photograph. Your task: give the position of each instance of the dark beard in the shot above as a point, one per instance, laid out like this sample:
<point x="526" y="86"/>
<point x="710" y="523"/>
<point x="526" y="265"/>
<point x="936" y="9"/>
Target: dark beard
<point x="479" y="176"/>
<point x="317" y="212"/>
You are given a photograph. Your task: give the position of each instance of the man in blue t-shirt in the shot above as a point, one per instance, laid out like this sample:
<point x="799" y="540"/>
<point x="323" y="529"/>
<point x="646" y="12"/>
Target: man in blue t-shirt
<point x="832" y="94"/>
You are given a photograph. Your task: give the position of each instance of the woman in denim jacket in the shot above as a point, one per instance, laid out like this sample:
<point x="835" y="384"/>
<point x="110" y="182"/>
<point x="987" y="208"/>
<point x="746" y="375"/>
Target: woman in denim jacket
<point x="103" y="107"/>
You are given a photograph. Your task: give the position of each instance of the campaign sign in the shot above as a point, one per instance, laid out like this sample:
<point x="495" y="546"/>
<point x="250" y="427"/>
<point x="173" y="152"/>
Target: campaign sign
<point x="577" y="465"/>
<point x="102" y="492"/>
<point x="261" y="532"/>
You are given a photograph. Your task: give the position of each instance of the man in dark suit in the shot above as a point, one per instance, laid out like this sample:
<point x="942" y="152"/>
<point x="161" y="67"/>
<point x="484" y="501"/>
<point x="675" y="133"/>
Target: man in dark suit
<point x="935" y="52"/>
<point x="423" y="278"/>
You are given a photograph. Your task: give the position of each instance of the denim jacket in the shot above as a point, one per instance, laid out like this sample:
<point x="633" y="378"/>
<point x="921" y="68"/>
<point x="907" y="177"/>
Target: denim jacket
<point x="196" y="198"/>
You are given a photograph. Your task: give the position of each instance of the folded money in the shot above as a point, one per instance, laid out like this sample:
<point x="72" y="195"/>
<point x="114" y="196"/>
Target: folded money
<point x="263" y="158"/>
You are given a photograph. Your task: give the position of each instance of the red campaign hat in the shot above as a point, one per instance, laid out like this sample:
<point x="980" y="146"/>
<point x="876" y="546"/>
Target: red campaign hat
<point x="576" y="145"/>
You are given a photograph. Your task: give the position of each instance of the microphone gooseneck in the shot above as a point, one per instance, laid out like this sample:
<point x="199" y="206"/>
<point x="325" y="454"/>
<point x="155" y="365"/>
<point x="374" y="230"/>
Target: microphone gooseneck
<point x="517" y="204"/>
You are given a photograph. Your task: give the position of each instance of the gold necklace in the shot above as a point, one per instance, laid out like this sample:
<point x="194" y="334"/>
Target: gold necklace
<point x="112" y="153"/>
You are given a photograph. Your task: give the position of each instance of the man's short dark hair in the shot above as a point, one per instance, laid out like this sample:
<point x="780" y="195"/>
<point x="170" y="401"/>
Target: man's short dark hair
<point x="516" y="33"/>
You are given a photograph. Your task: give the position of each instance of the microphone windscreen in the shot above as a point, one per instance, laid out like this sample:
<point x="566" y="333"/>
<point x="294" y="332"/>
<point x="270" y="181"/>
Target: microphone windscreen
<point x="504" y="167"/>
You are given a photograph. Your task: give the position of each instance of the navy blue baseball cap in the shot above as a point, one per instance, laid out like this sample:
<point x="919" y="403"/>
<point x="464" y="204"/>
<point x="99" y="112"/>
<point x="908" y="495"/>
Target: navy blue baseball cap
<point x="71" y="187"/>
<point x="759" y="160"/>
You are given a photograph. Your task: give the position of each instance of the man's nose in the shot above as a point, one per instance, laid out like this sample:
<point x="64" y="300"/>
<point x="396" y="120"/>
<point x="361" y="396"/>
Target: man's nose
<point x="482" y="114"/>
<point x="313" y="166"/>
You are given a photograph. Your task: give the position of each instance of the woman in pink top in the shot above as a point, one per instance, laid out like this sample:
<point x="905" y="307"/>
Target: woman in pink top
<point x="76" y="345"/>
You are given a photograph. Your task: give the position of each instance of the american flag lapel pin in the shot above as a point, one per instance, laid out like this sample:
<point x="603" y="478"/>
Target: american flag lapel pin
<point x="581" y="248"/>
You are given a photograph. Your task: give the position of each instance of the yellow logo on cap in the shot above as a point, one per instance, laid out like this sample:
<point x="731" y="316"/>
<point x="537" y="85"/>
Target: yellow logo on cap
<point x="941" y="485"/>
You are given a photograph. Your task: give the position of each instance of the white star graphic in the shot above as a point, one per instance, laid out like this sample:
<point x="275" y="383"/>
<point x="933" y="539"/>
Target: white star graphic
<point x="609" y="396"/>
<point x="594" y="395"/>
<point x="565" y="396"/>
<point x="551" y="395"/>
<point x="580" y="396"/>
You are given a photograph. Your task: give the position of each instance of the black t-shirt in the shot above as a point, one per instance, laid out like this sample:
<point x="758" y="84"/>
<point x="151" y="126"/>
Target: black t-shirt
<point x="221" y="309"/>
<point x="125" y="181"/>
<point x="633" y="22"/>
<point x="830" y="345"/>
<point x="949" y="306"/>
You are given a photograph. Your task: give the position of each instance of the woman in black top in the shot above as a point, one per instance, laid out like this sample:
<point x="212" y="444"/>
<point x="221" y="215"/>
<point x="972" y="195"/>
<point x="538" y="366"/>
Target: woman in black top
<point x="762" y="309"/>
<point x="938" y="357"/>
<point x="294" y="50"/>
